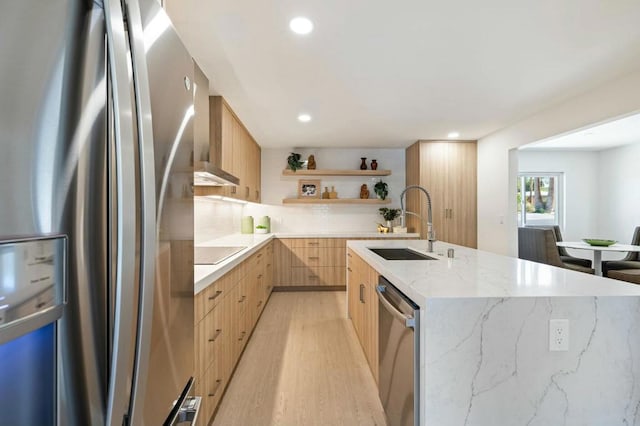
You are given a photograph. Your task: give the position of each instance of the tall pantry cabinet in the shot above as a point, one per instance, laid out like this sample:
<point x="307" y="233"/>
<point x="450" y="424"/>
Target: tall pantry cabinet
<point x="448" y="170"/>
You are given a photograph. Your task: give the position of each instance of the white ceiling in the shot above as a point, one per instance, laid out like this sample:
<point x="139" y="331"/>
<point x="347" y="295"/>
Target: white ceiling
<point x="383" y="74"/>
<point x="609" y="135"/>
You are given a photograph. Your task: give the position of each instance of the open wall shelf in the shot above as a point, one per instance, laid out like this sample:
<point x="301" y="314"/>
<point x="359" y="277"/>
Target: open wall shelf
<point x="328" y="172"/>
<point x="335" y="201"/>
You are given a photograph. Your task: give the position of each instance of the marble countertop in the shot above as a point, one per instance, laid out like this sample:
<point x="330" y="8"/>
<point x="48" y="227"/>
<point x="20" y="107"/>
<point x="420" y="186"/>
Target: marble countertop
<point x="204" y="275"/>
<point x="479" y="274"/>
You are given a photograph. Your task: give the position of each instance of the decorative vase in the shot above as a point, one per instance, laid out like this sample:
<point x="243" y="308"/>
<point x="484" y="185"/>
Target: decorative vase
<point x="333" y="194"/>
<point x="374" y="165"/>
<point x="325" y="194"/>
<point x="389" y="226"/>
<point x="363" y="165"/>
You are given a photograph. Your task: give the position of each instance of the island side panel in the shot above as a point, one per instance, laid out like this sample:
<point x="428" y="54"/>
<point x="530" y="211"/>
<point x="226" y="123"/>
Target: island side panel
<point x="487" y="362"/>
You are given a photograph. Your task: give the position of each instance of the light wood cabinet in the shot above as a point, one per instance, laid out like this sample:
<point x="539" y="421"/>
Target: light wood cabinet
<point x="226" y="313"/>
<point x="311" y="262"/>
<point x="362" y="302"/>
<point x="448" y="170"/>
<point x="238" y="152"/>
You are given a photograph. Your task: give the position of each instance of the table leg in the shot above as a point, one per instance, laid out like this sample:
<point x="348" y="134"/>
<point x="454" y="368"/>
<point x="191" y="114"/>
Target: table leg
<point x="597" y="262"/>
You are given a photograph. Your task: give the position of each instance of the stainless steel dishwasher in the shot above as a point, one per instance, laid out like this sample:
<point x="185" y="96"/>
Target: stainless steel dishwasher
<point x="399" y="360"/>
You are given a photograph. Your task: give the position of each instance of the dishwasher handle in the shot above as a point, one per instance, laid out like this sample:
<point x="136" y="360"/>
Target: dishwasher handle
<point x="408" y="321"/>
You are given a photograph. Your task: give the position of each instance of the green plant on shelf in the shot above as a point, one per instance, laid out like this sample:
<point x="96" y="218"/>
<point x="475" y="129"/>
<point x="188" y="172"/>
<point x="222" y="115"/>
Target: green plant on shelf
<point x="381" y="189"/>
<point x="389" y="214"/>
<point x="294" y="161"/>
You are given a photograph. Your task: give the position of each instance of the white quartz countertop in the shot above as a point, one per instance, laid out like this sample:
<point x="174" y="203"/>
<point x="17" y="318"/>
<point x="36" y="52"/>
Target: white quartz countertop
<point x="474" y="274"/>
<point x="204" y="275"/>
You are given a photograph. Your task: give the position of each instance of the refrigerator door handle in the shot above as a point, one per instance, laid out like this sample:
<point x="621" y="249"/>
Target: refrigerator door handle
<point x="121" y="355"/>
<point x="148" y="208"/>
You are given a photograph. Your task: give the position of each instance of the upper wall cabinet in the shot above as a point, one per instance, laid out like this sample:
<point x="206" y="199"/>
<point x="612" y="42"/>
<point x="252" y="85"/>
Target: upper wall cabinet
<point x="448" y="170"/>
<point x="240" y="154"/>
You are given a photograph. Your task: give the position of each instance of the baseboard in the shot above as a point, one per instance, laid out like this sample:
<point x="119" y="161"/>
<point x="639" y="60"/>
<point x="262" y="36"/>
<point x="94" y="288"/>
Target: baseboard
<point x="311" y="288"/>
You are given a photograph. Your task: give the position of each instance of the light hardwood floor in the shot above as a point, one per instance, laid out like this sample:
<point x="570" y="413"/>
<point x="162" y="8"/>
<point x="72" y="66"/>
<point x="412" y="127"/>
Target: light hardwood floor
<point x="303" y="366"/>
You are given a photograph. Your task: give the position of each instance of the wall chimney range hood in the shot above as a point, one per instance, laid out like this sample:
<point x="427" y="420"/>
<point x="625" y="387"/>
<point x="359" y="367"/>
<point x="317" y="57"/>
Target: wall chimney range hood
<point x="208" y="174"/>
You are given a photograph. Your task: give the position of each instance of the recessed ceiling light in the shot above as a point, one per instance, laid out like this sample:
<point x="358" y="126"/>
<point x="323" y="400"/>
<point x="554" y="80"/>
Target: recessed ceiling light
<point x="304" y="118"/>
<point x="453" y="135"/>
<point x="301" y="25"/>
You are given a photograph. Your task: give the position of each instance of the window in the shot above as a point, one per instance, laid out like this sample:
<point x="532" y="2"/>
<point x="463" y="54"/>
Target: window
<point x="539" y="199"/>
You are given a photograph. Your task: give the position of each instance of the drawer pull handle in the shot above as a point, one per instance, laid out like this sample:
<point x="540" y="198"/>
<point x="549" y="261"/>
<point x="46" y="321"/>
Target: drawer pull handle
<point x="311" y="243"/>
<point x="241" y="338"/>
<point x="215" y="391"/>
<point x="259" y="276"/>
<point x="242" y="299"/>
<point x="215" y="336"/>
<point x="259" y="303"/>
<point x="259" y="255"/>
<point x="349" y="269"/>
<point x="218" y="293"/>
<point x="362" y="293"/>
<point x="348" y="254"/>
<point x="313" y="258"/>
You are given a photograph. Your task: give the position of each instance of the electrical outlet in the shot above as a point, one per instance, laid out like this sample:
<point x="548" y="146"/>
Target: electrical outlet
<point x="559" y="335"/>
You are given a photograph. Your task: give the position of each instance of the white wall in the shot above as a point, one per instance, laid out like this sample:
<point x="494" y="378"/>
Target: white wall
<point x="580" y="187"/>
<point x="216" y="218"/>
<point x="619" y="192"/>
<point x="326" y="218"/>
<point x="497" y="226"/>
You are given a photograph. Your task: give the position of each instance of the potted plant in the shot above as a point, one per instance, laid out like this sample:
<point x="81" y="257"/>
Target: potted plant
<point x="261" y="229"/>
<point x="389" y="215"/>
<point x="294" y="161"/>
<point x="381" y="189"/>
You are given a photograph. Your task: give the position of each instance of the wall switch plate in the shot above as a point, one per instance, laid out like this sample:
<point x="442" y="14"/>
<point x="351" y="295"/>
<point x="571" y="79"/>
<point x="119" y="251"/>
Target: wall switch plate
<point x="559" y="335"/>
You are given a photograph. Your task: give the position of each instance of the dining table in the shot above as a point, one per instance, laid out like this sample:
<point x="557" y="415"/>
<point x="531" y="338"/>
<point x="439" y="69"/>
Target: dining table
<point x="597" y="251"/>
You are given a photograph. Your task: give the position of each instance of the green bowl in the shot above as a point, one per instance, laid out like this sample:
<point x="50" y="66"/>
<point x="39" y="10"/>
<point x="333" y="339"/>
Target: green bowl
<point x="599" y="243"/>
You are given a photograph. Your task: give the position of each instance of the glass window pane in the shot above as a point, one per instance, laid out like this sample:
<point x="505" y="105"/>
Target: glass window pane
<point x="538" y="197"/>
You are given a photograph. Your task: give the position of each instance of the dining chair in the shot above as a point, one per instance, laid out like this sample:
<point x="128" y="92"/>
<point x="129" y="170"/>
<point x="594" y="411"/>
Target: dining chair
<point x="564" y="254"/>
<point x="539" y="245"/>
<point x="628" y="275"/>
<point x="630" y="261"/>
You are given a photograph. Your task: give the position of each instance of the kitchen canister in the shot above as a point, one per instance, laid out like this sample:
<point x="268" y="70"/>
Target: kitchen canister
<point x="263" y="225"/>
<point x="246" y="225"/>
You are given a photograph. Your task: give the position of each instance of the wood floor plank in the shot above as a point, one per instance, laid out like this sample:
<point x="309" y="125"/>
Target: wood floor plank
<point x="302" y="367"/>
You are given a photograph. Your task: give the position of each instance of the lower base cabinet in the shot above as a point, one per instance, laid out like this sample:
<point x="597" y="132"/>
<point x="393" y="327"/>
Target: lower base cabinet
<point x="226" y="313"/>
<point x="362" y="305"/>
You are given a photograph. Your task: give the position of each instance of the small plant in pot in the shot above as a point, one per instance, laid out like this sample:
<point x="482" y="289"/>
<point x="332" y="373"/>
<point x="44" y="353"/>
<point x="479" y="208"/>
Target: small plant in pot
<point x="261" y="229"/>
<point x="381" y="189"/>
<point x="294" y="161"/>
<point x="389" y="215"/>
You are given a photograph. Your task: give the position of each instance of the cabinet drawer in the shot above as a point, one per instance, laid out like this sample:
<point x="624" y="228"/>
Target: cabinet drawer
<point x="318" y="256"/>
<point x="209" y="298"/>
<point x="211" y="335"/>
<point x="213" y="384"/>
<point x="318" y="275"/>
<point x="306" y="242"/>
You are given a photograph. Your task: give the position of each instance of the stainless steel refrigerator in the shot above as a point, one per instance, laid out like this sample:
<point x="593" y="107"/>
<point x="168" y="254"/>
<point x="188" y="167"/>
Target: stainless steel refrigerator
<point x="96" y="212"/>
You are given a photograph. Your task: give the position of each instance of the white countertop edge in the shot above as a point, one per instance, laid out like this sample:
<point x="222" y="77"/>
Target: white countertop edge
<point x="466" y="282"/>
<point x="204" y="275"/>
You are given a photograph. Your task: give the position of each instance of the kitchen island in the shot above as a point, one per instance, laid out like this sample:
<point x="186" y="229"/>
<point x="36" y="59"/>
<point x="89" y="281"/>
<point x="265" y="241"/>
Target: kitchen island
<point x="484" y="349"/>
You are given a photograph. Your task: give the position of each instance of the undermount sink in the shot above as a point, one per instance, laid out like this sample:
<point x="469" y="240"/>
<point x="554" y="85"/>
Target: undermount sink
<point x="400" y="254"/>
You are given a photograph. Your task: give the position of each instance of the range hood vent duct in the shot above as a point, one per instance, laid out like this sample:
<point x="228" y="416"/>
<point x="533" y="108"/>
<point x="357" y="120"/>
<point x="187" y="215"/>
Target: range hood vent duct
<point x="208" y="174"/>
